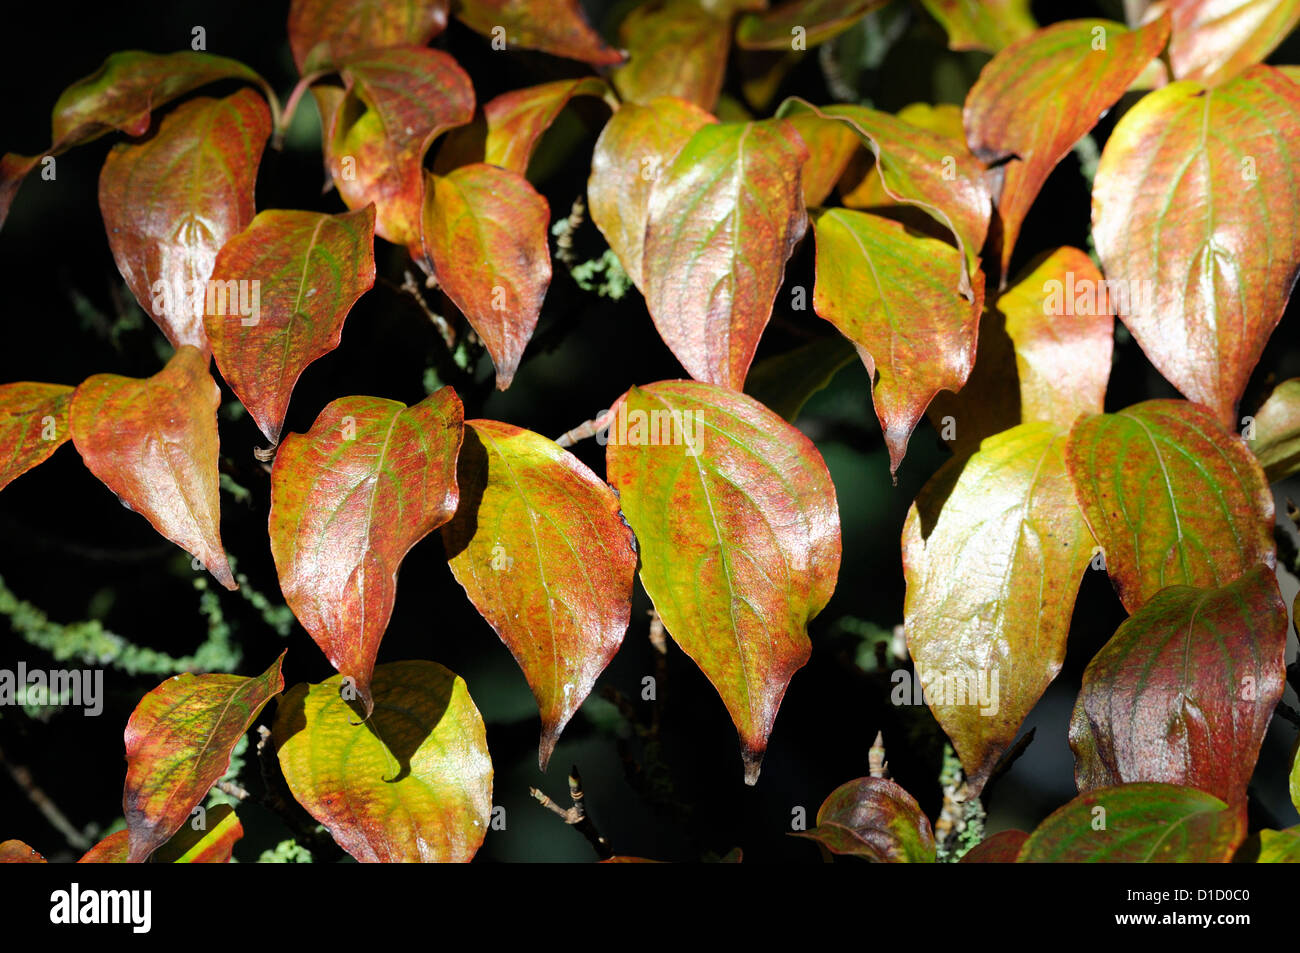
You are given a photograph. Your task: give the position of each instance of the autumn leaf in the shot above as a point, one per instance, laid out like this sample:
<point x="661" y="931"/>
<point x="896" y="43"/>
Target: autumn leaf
<point x="212" y="843"/>
<point x="987" y="25"/>
<point x="1273" y="434"/>
<point x="875" y="819"/>
<point x="1212" y="41"/>
<point x="349" y="498"/>
<point x="308" y="269"/>
<point x="1280" y="847"/>
<point x="412" y="783"/>
<point x="178" y="744"/>
<point x="154" y="443"/>
<point x="1138" y="823"/>
<point x="1171" y="498"/>
<point x="676" y="48"/>
<point x="1041" y="94"/>
<point x="1000" y="848"/>
<point x="738" y="526"/>
<point x="513" y="123"/>
<point x="831" y="146"/>
<point x="325" y="33"/>
<point x="113" y="849"/>
<point x="889" y="291"/>
<point x="541" y="549"/>
<point x="485" y="233"/>
<point x="121" y="95"/>
<point x="172" y="201"/>
<point x="557" y="27"/>
<point x="397" y="102"/>
<point x="1184" y="213"/>
<point x="993" y="551"/>
<point x="723" y="217"/>
<point x="33" y="424"/>
<point x="1184" y="691"/>
<point x="16" y="852"/>
<point x="807" y="22"/>
<point x="633" y="148"/>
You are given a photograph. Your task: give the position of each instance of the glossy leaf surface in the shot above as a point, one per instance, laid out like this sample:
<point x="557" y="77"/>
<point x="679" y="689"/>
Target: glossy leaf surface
<point x="325" y="33"/>
<point x="557" y="27"/>
<point x="875" y="819"/>
<point x="987" y="25"/>
<point x="33" y="424"/>
<point x="676" y="49"/>
<point x="1276" y="437"/>
<point x="1215" y="40"/>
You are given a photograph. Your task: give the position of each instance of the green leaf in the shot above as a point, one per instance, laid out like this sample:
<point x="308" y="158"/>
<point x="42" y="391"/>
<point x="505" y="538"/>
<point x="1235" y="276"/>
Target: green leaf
<point x="557" y="27"/>
<point x="178" y="744"/>
<point x="349" y="499"/>
<point x="1040" y="95"/>
<point x="738" y="525"/>
<point x="677" y="48"/>
<point x="1275" y="437"/>
<point x="993" y="551"/>
<point x="33" y="424"/>
<point x="210" y="844"/>
<point x="485" y="233"/>
<point x="638" y="142"/>
<point x="1000" y="848"/>
<point x="987" y="25"/>
<point x="1185" y="216"/>
<point x="397" y="102"/>
<point x="412" y="783"/>
<point x="1212" y="41"/>
<point x="325" y="33"/>
<point x="784" y="382"/>
<point x="172" y="201"/>
<point x="723" y="217"/>
<point x="1171" y="498"/>
<point x="806" y="23"/>
<point x="1280" y="847"/>
<point x="540" y="547"/>
<point x="875" y="819"/>
<point x="1184" y="691"/>
<point x="154" y="443"/>
<point x="1138" y="823"/>
<point x="309" y="269"/>
<point x="888" y="291"/>
<point x="16" y="852"/>
<point x="1295" y="773"/>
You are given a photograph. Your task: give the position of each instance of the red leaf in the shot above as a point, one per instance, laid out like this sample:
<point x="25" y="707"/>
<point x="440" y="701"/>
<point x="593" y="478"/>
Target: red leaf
<point x="170" y="202"/>
<point x="16" y="852"/>
<point x="485" y="233"/>
<point x="154" y="443"/>
<point x="540" y="547"/>
<point x="1214" y="40"/>
<point x="178" y="744"/>
<point x="33" y="424"/>
<point x="553" y="26"/>
<point x="1184" y="691"/>
<point x="1001" y="848"/>
<point x="875" y="819"/>
<point x="723" y="218"/>
<point x="348" y="500"/>
<point x="111" y="850"/>
<point x="309" y="270"/>
<point x="325" y="33"/>
<point x="1037" y="97"/>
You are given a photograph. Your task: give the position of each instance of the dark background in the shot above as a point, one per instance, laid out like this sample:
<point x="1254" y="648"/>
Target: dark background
<point x="67" y="547"/>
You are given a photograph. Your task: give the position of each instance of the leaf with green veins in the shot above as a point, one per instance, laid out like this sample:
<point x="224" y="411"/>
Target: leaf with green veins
<point x="397" y="102"/>
<point x="16" y="852"/>
<point x="1000" y="848"/>
<point x="1212" y="41"/>
<point x="484" y="231"/>
<point x="738" y="526"/>
<point x="635" y="145"/>
<point x="212" y="844"/>
<point x="785" y="382"/>
<point x="808" y="22"/>
<point x="178" y="744"/>
<point x="325" y="33"/>
<point x="172" y="201"/>
<point x="921" y="168"/>
<point x="994" y="549"/>
<point x="121" y="95"/>
<point x="154" y="443"/>
<point x="987" y="25"/>
<point x="542" y="552"/>
<point x="33" y="424"/>
<point x="677" y="48"/>
<point x="1279" y="847"/>
<point x="557" y="27"/>
<point x="1274" y="437"/>
<point x="831" y="146"/>
<point x="513" y="123"/>
<point x="1037" y="97"/>
<point x="412" y="783"/>
<point x="860" y="186"/>
<point x="875" y="819"/>
<point x="1184" y="691"/>
<point x="112" y="849"/>
<point x="349" y="498"/>
<point x="723" y="218"/>
<point x="309" y="269"/>
<point x="1138" y="823"/>
<point x="1185" y="217"/>
<point x="888" y="291"/>
<point x="1171" y="498"/>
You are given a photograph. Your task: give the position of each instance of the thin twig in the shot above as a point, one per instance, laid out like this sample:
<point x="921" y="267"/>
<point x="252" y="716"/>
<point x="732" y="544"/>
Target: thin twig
<point x="233" y="789"/>
<point x="411" y="287"/>
<point x="584" y="430"/>
<point x="576" y="815"/>
<point x="23" y="778"/>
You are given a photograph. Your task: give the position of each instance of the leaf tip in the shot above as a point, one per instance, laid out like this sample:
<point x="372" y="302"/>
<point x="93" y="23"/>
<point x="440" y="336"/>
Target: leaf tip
<point x="753" y="758"/>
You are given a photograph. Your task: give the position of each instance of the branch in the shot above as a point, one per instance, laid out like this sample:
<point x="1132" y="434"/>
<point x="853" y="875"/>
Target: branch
<point x="576" y="815"/>
<point x="584" y="430"/>
<point x="41" y="801"/>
